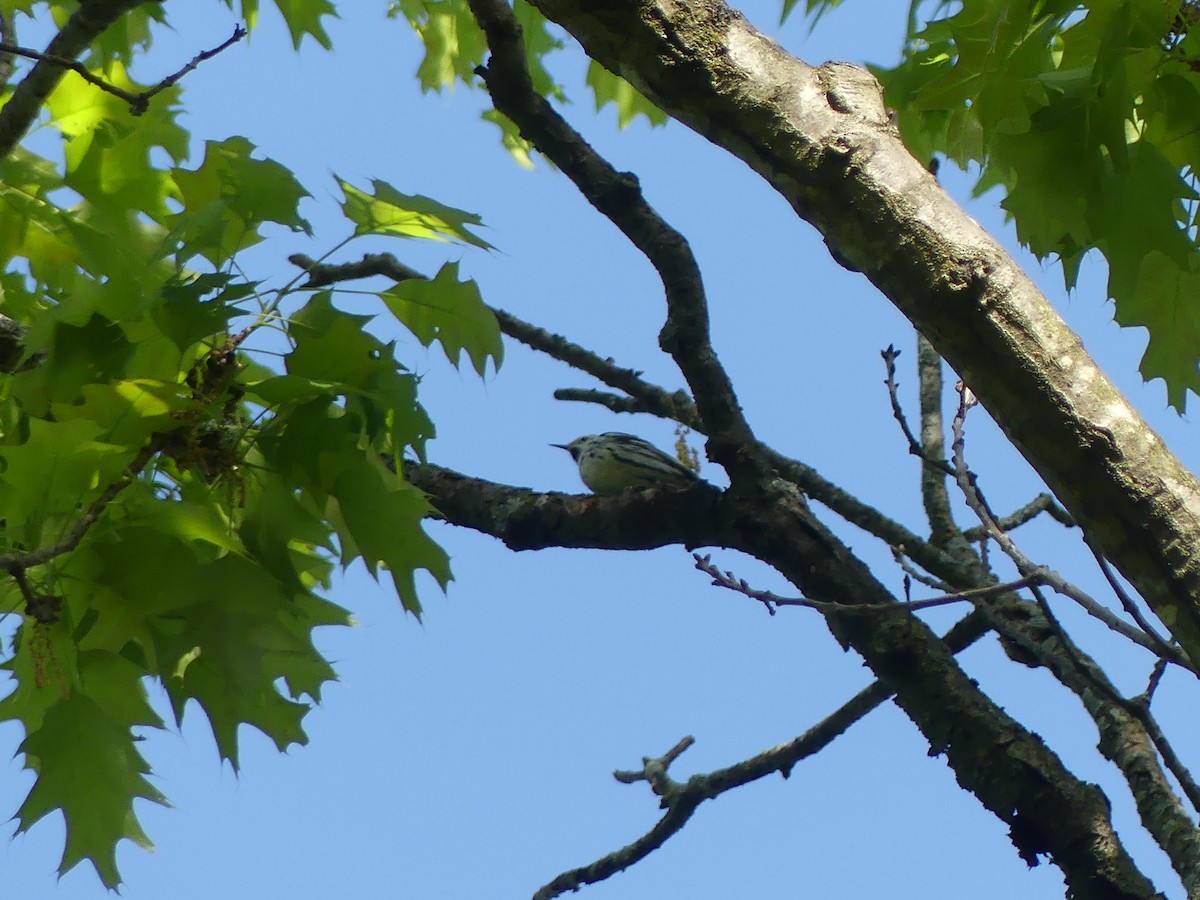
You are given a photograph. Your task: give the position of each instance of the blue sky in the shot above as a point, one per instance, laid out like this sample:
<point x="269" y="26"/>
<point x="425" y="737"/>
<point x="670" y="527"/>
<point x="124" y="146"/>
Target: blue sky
<point x="469" y="755"/>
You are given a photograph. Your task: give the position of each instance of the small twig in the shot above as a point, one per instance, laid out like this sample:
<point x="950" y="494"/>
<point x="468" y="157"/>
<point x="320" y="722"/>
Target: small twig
<point x="914" y="446"/>
<point x="238" y="33"/>
<point x="85" y="23"/>
<point x="772" y="601"/>
<point x="34" y="558"/>
<point x="654" y="770"/>
<point x="610" y="401"/>
<point x="139" y="101"/>
<point x="967" y="483"/>
<point x="1127" y="601"/>
<point x="1140" y="707"/>
<point x="1156" y="674"/>
<point x="1042" y="503"/>
<point x="902" y="560"/>
<point x="685" y="797"/>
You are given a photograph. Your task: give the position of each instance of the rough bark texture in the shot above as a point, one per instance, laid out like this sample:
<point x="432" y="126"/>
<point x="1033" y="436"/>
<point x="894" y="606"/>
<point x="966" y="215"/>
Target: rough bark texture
<point x="1049" y="812"/>
<point x="822" y="137"/>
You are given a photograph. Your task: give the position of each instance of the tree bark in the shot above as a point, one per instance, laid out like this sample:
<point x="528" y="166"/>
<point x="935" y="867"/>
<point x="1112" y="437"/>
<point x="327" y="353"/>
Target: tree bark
<point x="823" y="138"/>
<point x="1010" y="770"/>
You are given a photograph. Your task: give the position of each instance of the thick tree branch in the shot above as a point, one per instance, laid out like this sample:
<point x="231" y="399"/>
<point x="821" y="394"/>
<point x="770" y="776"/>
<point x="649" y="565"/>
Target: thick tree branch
<point x="1009" y="769"/>
<point x="528" y="520"/>
<point x="822" y="137"/>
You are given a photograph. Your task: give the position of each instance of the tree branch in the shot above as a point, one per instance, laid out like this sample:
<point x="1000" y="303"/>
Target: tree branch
<point x="823" y="138"/>
<point x="139" y="101"/>
<point x="771" y="600"/>
<point x="934" y="493"/>
<point x="618" y="196"/>
<point x="682" y="800"/>
<point x="1042" y="503"/>
<point x="1010" y="770"/>
<point x="81" y="29"/>
<point x="1129" y="736"/>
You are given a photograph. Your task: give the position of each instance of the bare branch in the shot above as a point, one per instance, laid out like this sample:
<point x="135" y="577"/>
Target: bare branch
<point x="771" y="600"/>
<point x="682" y="800"/>
<point x="1048" y="810"/>
<point x="142" y="99"/>
<point x="914" y="446"/>
<point x="1042" y="503"/>
<point x="385" y="264"/>
<point x="81" y="29"/>
<point x="618" y="196"/>
<point x="139" y="101"/>
<point x="822" y="136"/>
<point x="1129" y="736"/>
<point x="970" y="489"/>
<point x="1127" y="602"/>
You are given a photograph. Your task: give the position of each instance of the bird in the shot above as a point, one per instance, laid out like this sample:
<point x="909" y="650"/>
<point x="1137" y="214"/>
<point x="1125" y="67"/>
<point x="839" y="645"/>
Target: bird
<point x="614" y="461"/>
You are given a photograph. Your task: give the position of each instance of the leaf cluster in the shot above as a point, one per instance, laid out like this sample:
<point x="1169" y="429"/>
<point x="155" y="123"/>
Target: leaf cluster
<point x="185" y="454"/>
<point x="1086" y="116"/>
<point x="455" y="48"/>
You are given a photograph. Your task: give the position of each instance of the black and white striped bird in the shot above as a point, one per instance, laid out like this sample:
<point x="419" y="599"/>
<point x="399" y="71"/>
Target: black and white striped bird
<point x="611" y="462"/>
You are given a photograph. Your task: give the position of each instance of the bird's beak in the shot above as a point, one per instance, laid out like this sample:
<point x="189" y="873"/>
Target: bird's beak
<point x="562" y="447"/>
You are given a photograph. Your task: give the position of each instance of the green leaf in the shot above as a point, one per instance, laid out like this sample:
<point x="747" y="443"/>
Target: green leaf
<point x="386" y="211"/>
<point x="454" y="43"/>
<point x="56" y="471"/>
<point x="382" y="516"/>
<point x="128" y="412"/>
<point x="304" y="17"/>
<point x="1088" y="123"/>
<point x="451" y="312"/>
<point x="185" y="318"/>
<point x="510" y="137"/>
<point x="333" y="347"/>
<point x="94" y="352"/>
<point x="280" y="532"/>
<point x="108" y="151"/>
<point x="630" y="104"/>
<point x="229" y="196"/>
<point x="228" y="650"/>
<point x="1168" y="294"/>
<point x="87" y="764"/>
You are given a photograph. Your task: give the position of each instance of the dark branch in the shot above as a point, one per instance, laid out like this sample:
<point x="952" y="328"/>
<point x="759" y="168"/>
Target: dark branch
<point x="1129" y="736"/>
<point x="1047" y="809"/>
<point x="914" y="446"/>
<point x="969" y="486"/>
<point x="772" y="600"/>
<point x="81" y="29"/>
<point x="139" y="101"/>
<point x="682" y="800"/>
<point x="323" y="274"/>
<point x="618" y="196"/>
<point x="1042" y="503"/>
